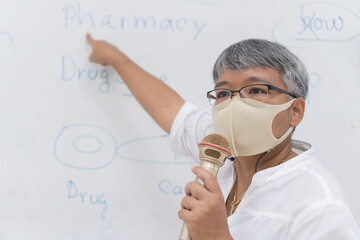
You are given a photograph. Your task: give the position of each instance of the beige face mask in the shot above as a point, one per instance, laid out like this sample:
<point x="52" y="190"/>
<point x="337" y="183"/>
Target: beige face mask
<point x="247" y="124"/>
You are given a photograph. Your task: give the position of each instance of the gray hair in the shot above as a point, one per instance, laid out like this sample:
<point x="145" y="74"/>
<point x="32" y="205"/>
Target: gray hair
<point x="255" y="53"/>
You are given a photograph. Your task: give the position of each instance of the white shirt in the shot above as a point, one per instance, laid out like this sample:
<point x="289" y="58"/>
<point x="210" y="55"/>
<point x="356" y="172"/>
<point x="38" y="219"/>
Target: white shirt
<point x="296" y="200"/>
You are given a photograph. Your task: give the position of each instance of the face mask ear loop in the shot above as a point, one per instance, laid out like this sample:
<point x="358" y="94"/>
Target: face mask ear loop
<point x="232" y="132"/>
<point x="282" y="138"/>
<point x="288" y="132"/>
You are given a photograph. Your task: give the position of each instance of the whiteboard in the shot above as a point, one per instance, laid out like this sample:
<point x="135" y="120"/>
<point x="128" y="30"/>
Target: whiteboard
<point x="80" y="159"/>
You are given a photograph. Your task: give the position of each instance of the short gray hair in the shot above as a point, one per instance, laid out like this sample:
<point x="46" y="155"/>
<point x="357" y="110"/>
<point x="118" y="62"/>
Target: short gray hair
<point x="255" y="53"/>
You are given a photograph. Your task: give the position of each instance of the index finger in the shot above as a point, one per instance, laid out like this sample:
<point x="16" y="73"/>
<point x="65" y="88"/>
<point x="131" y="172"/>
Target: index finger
<point x="210" y="181"/>
<point x="89" y="39"/>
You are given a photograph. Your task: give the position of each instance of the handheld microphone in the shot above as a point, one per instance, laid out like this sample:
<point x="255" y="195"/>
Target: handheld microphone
<point x="214" y="150"/>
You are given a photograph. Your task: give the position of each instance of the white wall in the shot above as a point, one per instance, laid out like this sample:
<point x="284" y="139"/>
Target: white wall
<point x="80" y="159"/>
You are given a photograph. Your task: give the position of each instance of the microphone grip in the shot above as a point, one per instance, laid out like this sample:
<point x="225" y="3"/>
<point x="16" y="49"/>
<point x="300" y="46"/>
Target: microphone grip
<point x="211" y="167"/>
<point x="184" y="234"/>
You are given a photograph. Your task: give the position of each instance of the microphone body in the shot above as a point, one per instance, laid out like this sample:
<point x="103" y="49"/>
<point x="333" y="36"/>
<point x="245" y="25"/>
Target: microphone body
<point x="214" y="150"/>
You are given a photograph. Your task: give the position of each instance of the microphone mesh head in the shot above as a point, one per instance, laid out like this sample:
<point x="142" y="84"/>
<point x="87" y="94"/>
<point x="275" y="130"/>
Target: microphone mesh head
<point x="212" y="153"/>
<point x="217" y="139"/>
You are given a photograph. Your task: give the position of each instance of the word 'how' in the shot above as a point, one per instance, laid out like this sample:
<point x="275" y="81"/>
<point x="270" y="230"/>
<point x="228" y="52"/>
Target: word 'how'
<point x="316" y="24"/>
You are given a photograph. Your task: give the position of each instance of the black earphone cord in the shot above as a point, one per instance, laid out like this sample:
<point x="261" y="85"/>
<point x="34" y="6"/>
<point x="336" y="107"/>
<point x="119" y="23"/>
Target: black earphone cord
<point x="257" y="162"/>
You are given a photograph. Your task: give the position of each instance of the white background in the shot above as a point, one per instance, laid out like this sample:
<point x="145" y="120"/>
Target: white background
<point x="80" y="159"/>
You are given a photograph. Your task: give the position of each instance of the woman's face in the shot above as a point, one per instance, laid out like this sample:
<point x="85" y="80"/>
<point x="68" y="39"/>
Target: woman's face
<point x="237" y="80"/>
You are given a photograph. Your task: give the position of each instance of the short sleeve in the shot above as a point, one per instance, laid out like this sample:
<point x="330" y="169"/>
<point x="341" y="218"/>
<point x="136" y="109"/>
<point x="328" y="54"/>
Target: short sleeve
<point x="190" y="126"/>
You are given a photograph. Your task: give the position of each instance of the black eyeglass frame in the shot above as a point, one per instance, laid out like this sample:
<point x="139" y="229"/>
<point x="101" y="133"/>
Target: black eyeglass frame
<point x="270" y="87"/>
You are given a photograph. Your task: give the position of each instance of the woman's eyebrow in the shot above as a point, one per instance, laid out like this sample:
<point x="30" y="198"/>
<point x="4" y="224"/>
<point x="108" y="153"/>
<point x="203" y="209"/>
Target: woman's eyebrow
<point x="252" y="80"/>
<point x="222" y="83"/>
<point x="247" y="81"/>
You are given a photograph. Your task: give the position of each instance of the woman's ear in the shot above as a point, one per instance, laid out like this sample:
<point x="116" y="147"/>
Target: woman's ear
<point x="297" y="112"/>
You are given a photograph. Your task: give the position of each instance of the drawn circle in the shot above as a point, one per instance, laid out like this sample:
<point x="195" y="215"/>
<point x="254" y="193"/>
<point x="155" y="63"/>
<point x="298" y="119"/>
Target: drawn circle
<point x="316" y="22"/>
<point x="153" y="149"/>
<point x="84" y="146"/>
<point x="87" y="144"/>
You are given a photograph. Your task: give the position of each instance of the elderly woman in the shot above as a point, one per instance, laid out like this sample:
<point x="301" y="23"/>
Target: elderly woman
<point x="273" y="188"/>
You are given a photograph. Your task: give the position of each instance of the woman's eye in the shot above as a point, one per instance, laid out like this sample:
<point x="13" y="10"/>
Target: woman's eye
<point x="222" y="94"/>
<point x="256" y="90"/>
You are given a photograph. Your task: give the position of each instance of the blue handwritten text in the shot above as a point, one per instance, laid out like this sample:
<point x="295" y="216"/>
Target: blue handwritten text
<point x="168" y="188"/>
<point x="75" y="16"/>
<point x="87" y="198"/>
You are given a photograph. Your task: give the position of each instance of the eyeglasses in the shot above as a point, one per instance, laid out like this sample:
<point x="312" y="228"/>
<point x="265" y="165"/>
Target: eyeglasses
<point x="258" y="92"/>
